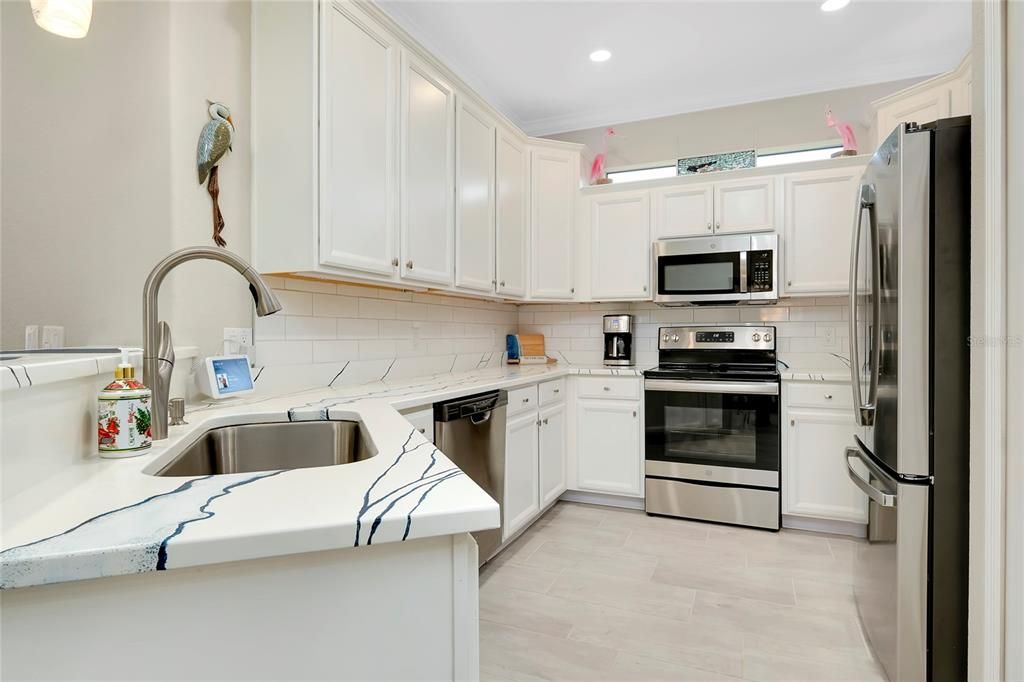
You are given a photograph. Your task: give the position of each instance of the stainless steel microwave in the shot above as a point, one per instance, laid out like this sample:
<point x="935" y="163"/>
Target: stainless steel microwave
<point x="740" y="268"/>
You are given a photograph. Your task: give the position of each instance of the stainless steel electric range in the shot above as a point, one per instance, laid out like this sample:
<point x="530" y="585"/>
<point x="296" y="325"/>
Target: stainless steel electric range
<point x="712" y="426"/>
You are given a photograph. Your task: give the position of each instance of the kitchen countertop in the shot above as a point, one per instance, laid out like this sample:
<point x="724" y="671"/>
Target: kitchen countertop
<point x="109" y="517"/>
<point x="27" y="369"/>
<point x="814" y="367"/>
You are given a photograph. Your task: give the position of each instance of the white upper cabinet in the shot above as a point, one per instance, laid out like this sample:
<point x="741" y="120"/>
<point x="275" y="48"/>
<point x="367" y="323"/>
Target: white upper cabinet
<point x="512" y="217"/>
<point x="686" y="211"/>
<point x="554" y="184"/>
<point x="620" y="246"/>
<point x="945" y="95"/>
<point x="427" y="150"/>
<point x="358" y="145"/>
<point x="746" y="205"/>
<point x="819" y="217"/>
<point x="474" y="222"/>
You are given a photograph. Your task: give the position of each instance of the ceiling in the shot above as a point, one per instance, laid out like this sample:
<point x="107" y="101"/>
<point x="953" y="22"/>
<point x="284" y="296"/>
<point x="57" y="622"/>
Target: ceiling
<point x="530" y="58"/>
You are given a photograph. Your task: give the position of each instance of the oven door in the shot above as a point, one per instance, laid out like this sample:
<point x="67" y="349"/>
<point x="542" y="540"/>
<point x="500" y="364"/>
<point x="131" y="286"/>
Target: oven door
<point x="713" y="431"/>
<point x="701" y="270"/>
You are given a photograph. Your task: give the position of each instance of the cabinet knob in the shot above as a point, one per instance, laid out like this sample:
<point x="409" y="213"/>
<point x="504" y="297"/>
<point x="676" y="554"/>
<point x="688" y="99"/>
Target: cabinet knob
<point x="645" y="287"/>
<point x="572" y="291"/>
<point x="538" y="422"/>
<point x="423" y="429"/>
<point x="394" y="262"/>
<point x="792" y="422"/>
<point x="545" y="421"/>
<point x="634" y="413"/>
<point x="709" y="227"/>
<point x="718" y="226"/>
<point x="502" y="282"/>
<point x="408" y="264"/>
<point x="526" y="400"/>
<point x="494" y="282"/>
<point x="607" y="388"/>
<point x="828" y="396"/>
<point x="789" y="282"/>
<point x="557" y="390"/>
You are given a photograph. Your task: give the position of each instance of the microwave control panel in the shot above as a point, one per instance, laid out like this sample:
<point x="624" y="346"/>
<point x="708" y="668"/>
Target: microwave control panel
<point x="759" y="271"/>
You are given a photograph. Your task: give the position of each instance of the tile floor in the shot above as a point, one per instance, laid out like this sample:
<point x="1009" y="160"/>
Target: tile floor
<point x="596" y="593"/>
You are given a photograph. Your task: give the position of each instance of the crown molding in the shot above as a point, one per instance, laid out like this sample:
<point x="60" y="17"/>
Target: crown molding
<point x="687" y="103"/>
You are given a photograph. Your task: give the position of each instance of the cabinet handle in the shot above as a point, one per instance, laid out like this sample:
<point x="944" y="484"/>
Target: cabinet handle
<point x="409" y="264"/>
<point x="394" y="262"/>
<point x="709" y="227"/>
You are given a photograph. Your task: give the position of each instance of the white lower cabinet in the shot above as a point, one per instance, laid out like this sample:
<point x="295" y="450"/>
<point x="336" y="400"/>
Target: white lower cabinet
<point x="552" y="453"/>
<point x="608" y="458"/>
<point x="522" y="491"/>
<point x="815" y="482"/>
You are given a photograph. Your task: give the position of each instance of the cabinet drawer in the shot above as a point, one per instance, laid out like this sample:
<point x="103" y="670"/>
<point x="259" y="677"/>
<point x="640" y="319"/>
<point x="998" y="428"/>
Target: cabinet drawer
<point x="552" y="392"/>
<point x="522" y="399"/>
<point x="838" y="396"/>
<point x="609" y="387"/>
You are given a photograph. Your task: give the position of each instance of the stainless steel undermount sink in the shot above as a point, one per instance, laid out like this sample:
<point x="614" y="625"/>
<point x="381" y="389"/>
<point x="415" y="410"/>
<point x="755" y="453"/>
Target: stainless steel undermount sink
<point x="244" y="448"/>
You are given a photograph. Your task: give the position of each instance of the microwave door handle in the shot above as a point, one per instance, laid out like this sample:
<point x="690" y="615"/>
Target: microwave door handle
<point x="743" y="272"/>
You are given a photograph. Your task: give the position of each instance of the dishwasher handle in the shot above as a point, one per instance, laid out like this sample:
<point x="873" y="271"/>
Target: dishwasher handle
<point x="477" y="407"/>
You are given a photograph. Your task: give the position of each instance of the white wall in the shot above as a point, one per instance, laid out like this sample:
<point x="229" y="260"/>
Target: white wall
<point x="762" y="125"/>
<point x="98" y="169"/>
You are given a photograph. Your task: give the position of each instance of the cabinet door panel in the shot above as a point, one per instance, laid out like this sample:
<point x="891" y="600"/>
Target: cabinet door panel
<point x="608" y="447"/>
<point x="553" y="188"/>
<point x="745" y="205"/>
<point x="552" y="454"/>
<point x="511" y="213"/>
<point x="427" y="219"/>
<point x="358" y="149"/>
<point x="522" y="490"/>
<point x="620" y="246"/>
<point x="814" y="467"/>
<point x="683" y="211"/>
<point x="820" y="212"/>
<point x="474" y="250"/>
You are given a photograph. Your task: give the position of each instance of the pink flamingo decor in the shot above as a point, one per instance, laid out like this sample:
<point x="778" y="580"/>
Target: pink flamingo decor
<point x="597" y="168"/>
<point x="845" y="131"/>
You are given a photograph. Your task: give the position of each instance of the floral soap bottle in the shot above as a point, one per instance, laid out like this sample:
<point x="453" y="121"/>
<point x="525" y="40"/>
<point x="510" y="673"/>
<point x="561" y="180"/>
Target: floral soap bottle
<point x="125" y="416"/>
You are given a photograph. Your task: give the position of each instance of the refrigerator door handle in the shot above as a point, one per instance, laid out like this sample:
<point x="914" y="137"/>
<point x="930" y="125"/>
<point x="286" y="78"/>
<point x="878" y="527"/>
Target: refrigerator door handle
<point x="864" y="411"/>
<point x="883" y="498"/>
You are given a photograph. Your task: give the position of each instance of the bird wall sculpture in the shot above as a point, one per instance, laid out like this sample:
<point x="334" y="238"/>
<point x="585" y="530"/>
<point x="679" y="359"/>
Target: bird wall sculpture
<point x="214" y="142"/>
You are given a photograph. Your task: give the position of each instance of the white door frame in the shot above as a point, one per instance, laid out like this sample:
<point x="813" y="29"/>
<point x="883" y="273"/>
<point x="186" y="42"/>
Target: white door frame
<point x="1014" y="624"/>
<point x="995" y="599"/>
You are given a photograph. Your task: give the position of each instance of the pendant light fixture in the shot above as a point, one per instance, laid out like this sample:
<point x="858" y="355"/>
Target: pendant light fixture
<point x="67" y="18"/>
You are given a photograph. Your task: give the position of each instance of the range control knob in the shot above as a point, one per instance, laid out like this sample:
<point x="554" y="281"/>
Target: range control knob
<point x="665" y="338"/>
<point x="767" y="337"/>
<point x="675" y="337"/>
<point x="756" y="337"/>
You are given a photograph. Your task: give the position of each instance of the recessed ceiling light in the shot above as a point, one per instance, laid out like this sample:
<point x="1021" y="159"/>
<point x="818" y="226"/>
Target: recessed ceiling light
<point x="605" y="55"/>
<point x="834" y="5"/>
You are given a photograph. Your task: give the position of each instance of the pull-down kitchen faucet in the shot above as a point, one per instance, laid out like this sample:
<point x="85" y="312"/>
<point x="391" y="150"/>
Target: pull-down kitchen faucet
<point x="158" y="352"/>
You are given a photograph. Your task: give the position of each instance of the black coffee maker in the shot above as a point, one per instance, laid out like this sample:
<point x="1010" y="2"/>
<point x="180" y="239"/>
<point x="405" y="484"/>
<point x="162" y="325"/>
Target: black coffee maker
<point x="618" y="340"/>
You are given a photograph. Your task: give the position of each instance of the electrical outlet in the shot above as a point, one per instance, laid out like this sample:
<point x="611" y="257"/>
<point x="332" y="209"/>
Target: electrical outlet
<point x="830" y="337"/>
<point x="31" y="337"/>
<point x="53" y="336"/>
<point x="237" y="340"/>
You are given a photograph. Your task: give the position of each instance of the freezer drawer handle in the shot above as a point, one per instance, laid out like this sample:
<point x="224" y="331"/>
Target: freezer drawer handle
<point x="883" y="498"/>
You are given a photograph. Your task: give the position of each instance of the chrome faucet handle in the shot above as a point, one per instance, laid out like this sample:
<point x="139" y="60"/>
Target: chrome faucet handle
<point x="176" y="410"/>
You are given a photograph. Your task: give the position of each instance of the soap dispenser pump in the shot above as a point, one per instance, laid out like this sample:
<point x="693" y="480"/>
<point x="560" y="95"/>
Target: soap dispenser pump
<point x="125" y="417"/>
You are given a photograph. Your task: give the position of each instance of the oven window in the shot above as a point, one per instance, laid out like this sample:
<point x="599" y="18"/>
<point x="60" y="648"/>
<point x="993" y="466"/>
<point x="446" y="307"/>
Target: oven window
<point x="720" y="429"/>
<point x="699" y="273"/>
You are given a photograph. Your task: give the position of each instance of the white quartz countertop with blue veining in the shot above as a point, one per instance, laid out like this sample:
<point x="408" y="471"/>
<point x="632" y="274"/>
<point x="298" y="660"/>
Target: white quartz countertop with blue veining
<point x="109" y="517"/>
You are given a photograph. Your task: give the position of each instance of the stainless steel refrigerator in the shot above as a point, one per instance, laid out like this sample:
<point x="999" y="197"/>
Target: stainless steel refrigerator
<point x="909" y="325"/>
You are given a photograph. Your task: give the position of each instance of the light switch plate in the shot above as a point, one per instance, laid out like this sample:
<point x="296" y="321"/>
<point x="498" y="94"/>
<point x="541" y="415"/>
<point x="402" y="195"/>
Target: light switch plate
<point x="31" y="337"/>
<point x="53" y="336"/>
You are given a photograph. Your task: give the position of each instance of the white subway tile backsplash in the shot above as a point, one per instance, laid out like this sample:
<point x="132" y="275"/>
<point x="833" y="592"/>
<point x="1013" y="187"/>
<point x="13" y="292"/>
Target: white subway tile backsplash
<point x="377" y="349"/>
<point x="764" y="313"/>
<point x="816" y="314"/>
<point x="310" y="285"/>
<point x="299" y="327"/>
<point x="377" y="308"/>
<point x="269" y="328"/>
<point x="283" y="353"/>
<point x="295" y="302"/>
<point x="717" y="315"/>
<point x="358" y="328"/>
<point x="335" y="350"/>
<point x="411" y="311"/>
<point x="395" y="329"/>
<point x="334" y="306"/>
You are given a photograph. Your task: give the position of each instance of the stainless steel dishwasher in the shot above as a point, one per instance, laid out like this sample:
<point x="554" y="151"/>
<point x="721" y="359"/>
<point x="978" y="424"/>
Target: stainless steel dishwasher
<point x="470" y="431"/>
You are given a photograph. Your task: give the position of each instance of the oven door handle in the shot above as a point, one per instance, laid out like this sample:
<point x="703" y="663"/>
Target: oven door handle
<point x="748" y="387"/>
